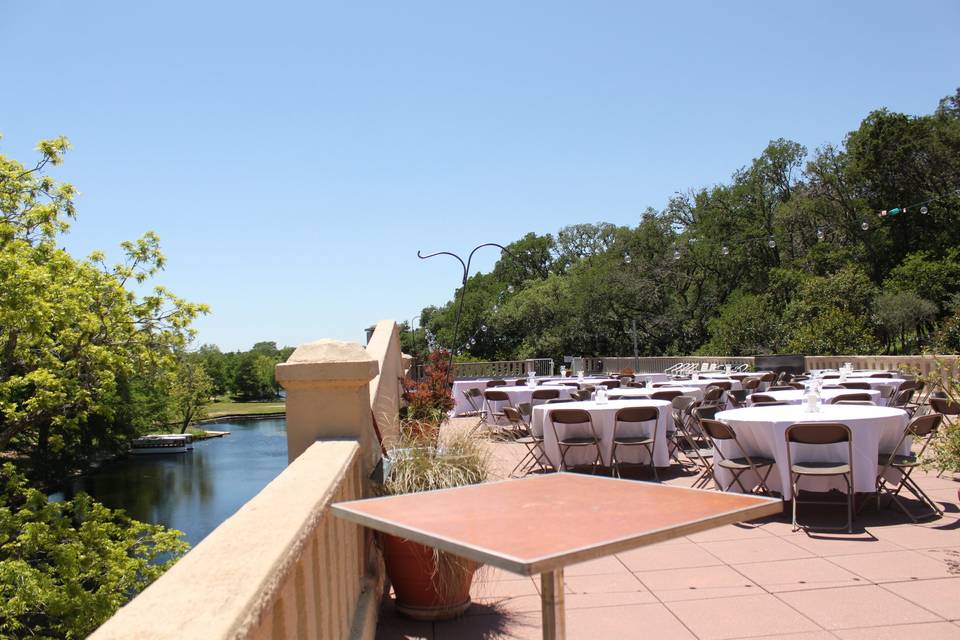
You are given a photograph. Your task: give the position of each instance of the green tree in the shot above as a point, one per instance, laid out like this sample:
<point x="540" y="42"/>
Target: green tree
<point x="82" y="356"/>
<point x="833" y="332"/>
<point x="65" y="567"/>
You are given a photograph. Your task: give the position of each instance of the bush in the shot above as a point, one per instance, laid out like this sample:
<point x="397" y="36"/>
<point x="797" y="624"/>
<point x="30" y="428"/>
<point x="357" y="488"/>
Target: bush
<point x="431" y="398"/>
<point x="65" y="567"/>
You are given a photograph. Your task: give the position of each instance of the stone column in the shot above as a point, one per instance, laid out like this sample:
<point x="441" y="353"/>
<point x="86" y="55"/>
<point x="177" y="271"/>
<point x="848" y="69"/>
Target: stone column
<point x="328" y="396"/>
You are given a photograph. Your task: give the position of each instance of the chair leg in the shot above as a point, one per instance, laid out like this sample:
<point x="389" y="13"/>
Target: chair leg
<point x="793" y="489"/>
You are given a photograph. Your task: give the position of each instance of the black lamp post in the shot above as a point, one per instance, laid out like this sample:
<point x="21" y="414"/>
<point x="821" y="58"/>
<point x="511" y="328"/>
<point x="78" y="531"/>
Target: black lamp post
<point x="463" y="287"/>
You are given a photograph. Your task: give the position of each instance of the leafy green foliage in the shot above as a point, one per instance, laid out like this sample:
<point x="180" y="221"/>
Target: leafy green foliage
<point x="65" y="567"/>
<point x="791" y="254"/>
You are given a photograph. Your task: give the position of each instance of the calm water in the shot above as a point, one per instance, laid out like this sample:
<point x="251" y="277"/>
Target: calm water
<point x="197" y="490"/>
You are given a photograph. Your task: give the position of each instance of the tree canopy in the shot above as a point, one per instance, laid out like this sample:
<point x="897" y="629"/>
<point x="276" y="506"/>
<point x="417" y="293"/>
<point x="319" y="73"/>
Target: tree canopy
<point x="800" y="251"/>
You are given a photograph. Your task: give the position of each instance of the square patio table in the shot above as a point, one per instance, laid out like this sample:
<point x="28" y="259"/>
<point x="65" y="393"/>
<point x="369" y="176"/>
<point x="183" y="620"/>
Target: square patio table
<point x="542" y="524"/>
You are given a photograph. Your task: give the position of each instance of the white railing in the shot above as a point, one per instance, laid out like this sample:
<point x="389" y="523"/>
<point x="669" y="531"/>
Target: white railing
<point x="660" y="364"/>
<point x="498" y="369"/>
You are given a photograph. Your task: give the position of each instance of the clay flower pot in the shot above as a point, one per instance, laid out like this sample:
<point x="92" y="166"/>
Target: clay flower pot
<point x="424" y="592"/>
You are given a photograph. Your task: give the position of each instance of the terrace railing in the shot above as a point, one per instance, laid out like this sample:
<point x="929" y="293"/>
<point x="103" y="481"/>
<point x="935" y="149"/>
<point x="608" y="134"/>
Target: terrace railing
<point x="660" y="364"/>
<point x="497" y="369"/>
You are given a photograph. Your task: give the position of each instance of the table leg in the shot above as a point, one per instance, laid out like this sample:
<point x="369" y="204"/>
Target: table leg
<point x="551" y="603"/>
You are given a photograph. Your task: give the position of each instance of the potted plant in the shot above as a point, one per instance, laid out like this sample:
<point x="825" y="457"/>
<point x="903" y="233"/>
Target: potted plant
<point x="430" y="584"/>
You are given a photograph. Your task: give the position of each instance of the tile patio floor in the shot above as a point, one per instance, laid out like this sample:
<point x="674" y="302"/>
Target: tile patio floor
<point x="889" y="579"/>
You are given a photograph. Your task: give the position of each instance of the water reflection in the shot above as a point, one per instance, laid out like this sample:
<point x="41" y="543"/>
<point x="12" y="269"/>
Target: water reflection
<point x="194" y="491"/>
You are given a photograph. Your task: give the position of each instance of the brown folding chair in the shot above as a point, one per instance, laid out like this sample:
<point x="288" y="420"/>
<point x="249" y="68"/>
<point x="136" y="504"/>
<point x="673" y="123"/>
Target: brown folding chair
<point x="924" y="429"/>
<point x="534" y="444"/>
<point x="798" y="385"/>
<point x="713" y="395"/>
<point x="632" y="428"/>
<point x="852" y="397"/>
<point x="718" y="432"/>
<point x="669" y="394"/>
<point x="496" y="383"/>
<point x="820" y="433"/>
<point x="559" y="400"/>
<point x="517" y="425"/>
<point x="492" y="395"/>
<point x="761" y="397"/>
<point x="544" y="395"/>
<point x="581" y="395"/>
<point x="780" y="387"/>
<point x="751" y="383"/>
<point x="863" y="386"/>
<point x="612" y="384"/>
<point x="520" y="382"/>
<point x="591" y="439"/>
<point x="726" y="385"/>
<point x="474" y="398"/>
<point x="881" y="375"/>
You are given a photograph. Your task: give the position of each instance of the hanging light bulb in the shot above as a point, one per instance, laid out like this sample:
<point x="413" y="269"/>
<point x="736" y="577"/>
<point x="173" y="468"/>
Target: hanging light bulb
<point x="820" y="234"/>
<point x="772" y="243"/>
<point x="676" y="254"/>
<point x="924" y="210"/>
<point x="627" y="258"/>
<point x="473" y="341"/>
<point x="865" y="225"/>
<point x="483" y="328"/>
<point x="725" y="250"/>
<point x="510" y="288"/>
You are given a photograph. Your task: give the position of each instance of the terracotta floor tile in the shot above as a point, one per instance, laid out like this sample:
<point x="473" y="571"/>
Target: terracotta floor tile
<point x="808" y="635"/>
<point x="730" y="532"/>
<point x="609" y="583"/>
<point x="503" y="588"/>
<point x="605" y="565"/>
<point x="940" y="596"/>
<point x="674" y="556"/>
<point x="941" y="533"/>
<point x="504" y="605"/>
<point x="393" y="626"/>
<point x="496" y="626"/>
<point x="756" y="550"/>
<point x="794" y="575"/>
<point x="849" y="607"/>
<point x="841" y="544"/>
<point x="925" y="631"/>
<point x="699" y="583"/>
<point x="632" y="621"/>
<point x="893" y="566"/>
<point x="608" y="601"/>
<point x="739" y="617"/>
<point x="950" y="556"/>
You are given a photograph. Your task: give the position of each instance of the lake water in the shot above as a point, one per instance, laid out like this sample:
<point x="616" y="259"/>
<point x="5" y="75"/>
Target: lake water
<point x="194" y="491"/>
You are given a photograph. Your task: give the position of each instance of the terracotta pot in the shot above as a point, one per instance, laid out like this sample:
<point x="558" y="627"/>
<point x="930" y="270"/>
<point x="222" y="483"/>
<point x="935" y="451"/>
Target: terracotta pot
<point x="410" y="567"/>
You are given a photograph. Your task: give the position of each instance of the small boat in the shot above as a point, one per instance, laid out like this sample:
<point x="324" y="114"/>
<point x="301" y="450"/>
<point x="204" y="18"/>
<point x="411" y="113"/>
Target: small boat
<point x="164" y="443"/>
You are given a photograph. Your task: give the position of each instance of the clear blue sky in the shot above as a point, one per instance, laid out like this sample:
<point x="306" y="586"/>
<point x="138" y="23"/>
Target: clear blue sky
<point x="294" y="156"/>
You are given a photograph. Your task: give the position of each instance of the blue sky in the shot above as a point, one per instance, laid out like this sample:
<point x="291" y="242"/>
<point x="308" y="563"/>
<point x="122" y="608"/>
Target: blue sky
<point x="294" y="157"/>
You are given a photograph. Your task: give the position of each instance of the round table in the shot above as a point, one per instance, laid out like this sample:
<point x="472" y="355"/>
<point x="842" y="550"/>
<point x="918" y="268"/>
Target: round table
<point x="796" y="396"/>
<point x="873" y="382"/>
<point x="703" y="384"/>
<point x="645" y="392"/>
<point x="760" y="431"/>
<point x="603" y="421"/>
<point x="520" y="394"/>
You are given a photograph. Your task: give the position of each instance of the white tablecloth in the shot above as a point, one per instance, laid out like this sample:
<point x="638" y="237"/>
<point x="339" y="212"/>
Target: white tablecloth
<point x="873" y="382"/>
<point x="460" y="386"/>
<point x="603" y="421"/>
<point x="734" y="384"/>
<point x="634" y="392"/>
<point x="826" y="396"/>
<point x="760" y="431"/>
<point x="519" y="395"/>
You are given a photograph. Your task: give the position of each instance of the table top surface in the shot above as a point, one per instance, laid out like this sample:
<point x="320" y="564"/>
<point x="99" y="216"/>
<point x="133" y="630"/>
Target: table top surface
<point x="539" y="524"/>
<point x="798" y="413"/>
<point x="609" y="405"/>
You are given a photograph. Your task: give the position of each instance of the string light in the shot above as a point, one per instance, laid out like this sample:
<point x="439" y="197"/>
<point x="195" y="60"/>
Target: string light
<point x="772" y="243"/>
<point x="676" y="254"/>
<point x="924" y="210"/>
<point x="725" y="250"/>
<point x="820" y="234"/>
<point x="627" y="258"/>
<point x="865" y="225"/>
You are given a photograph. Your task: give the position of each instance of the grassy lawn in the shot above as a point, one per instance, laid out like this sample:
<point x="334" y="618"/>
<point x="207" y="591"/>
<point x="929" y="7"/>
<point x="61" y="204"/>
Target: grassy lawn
<point x="227" y="407"/>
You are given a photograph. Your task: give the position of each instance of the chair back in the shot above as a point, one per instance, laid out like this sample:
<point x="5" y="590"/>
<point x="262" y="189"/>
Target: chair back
<point x="559" y="400"/>
<point x="761" y="397"/>
<point x="612" y="384"/>
<point x="682" y="403"/>
<point x="768" y="377"/>
<point x="751" y="383"/>
<point x="570" y="416"/>
<point x="902" y="398"/>
<point x="581" y="395"/>
<point x="723" y="384"/>
<point x="855" y="385"/>
<point x="708" y="413"/>
<point x="669" y="394"/>
<point x="846" y="397"/>
<point x="637" y="414"/>
<point x="775" y="403"/>
<point x="780" y="387"/>
<point x="818" y="433"/>
<point x="495" y="396"/>
<point x="870" y="403"/>
<point x="472" y="392"/>
<point x="712" y="394"/>
<point x="717" y="430"/>
<point x="571" y="384"/>
<point x="944" y="406"/>
<point x="922" y="426"/>
<point x="514" y="417"/>
<point x="797" y="385"/>
<point x="545" y="394"/>
<point x="496" y="383"/>
<point x="881" y="375"/>
<point x="521" y="382"/>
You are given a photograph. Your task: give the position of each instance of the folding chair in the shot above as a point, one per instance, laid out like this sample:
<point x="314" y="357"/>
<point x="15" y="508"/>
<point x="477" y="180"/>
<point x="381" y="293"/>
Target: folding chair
<point x="924" y="428"/>
<point x="474" y="398"/>
<point x="718" y="431"/>
<point x="534" y="444"/>
<point x="580" y="396"/>
<point x="574" y="417"/>
<point x="490" y="396"/>
<point x="780" y="387"/>
<point x="635" y="427"/>
<point x="847" y="397"/>
<point x="820" y="433"/>
<point x="862" y="386"/>
<point x="881" y="375"/>
<point x="496" y="383"/>
<point x="760" y="398"/>
<point x="886" y="394"/>
<point x="543" y="395"/>
<point x="681" y="413"/>
<point x="666" y="395"/>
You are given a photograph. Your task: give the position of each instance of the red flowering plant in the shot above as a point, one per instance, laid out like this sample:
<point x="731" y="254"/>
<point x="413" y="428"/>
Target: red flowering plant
<point x="430" y="399"/>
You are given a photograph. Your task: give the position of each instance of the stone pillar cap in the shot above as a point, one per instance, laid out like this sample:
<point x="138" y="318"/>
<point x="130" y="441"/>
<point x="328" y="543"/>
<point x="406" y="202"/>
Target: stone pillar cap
<point x="328" y="360"/>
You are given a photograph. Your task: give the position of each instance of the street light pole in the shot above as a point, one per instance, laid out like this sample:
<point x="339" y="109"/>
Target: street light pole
<point x="463" y="286"/>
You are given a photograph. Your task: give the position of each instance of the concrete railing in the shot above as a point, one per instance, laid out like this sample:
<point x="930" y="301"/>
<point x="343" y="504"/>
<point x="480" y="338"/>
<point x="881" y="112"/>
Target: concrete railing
<point x="503" y="368"/>
<point x="946" y="366"/>
<point x="283" y="566"/>
<point x="386" y="390"/>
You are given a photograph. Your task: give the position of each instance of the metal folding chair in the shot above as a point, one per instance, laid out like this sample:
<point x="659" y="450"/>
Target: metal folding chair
<point x="847" y="397"/>
<point x="737" y="466"/>
<point x="820" y="433"/>
<point x="924" y="428"/>
<point x="862" y="386"/>
<point x="474" y="398"/>
<point x="534" y="456"/>
<point x="632" y="428"/>
<point x="575" y="417"/>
